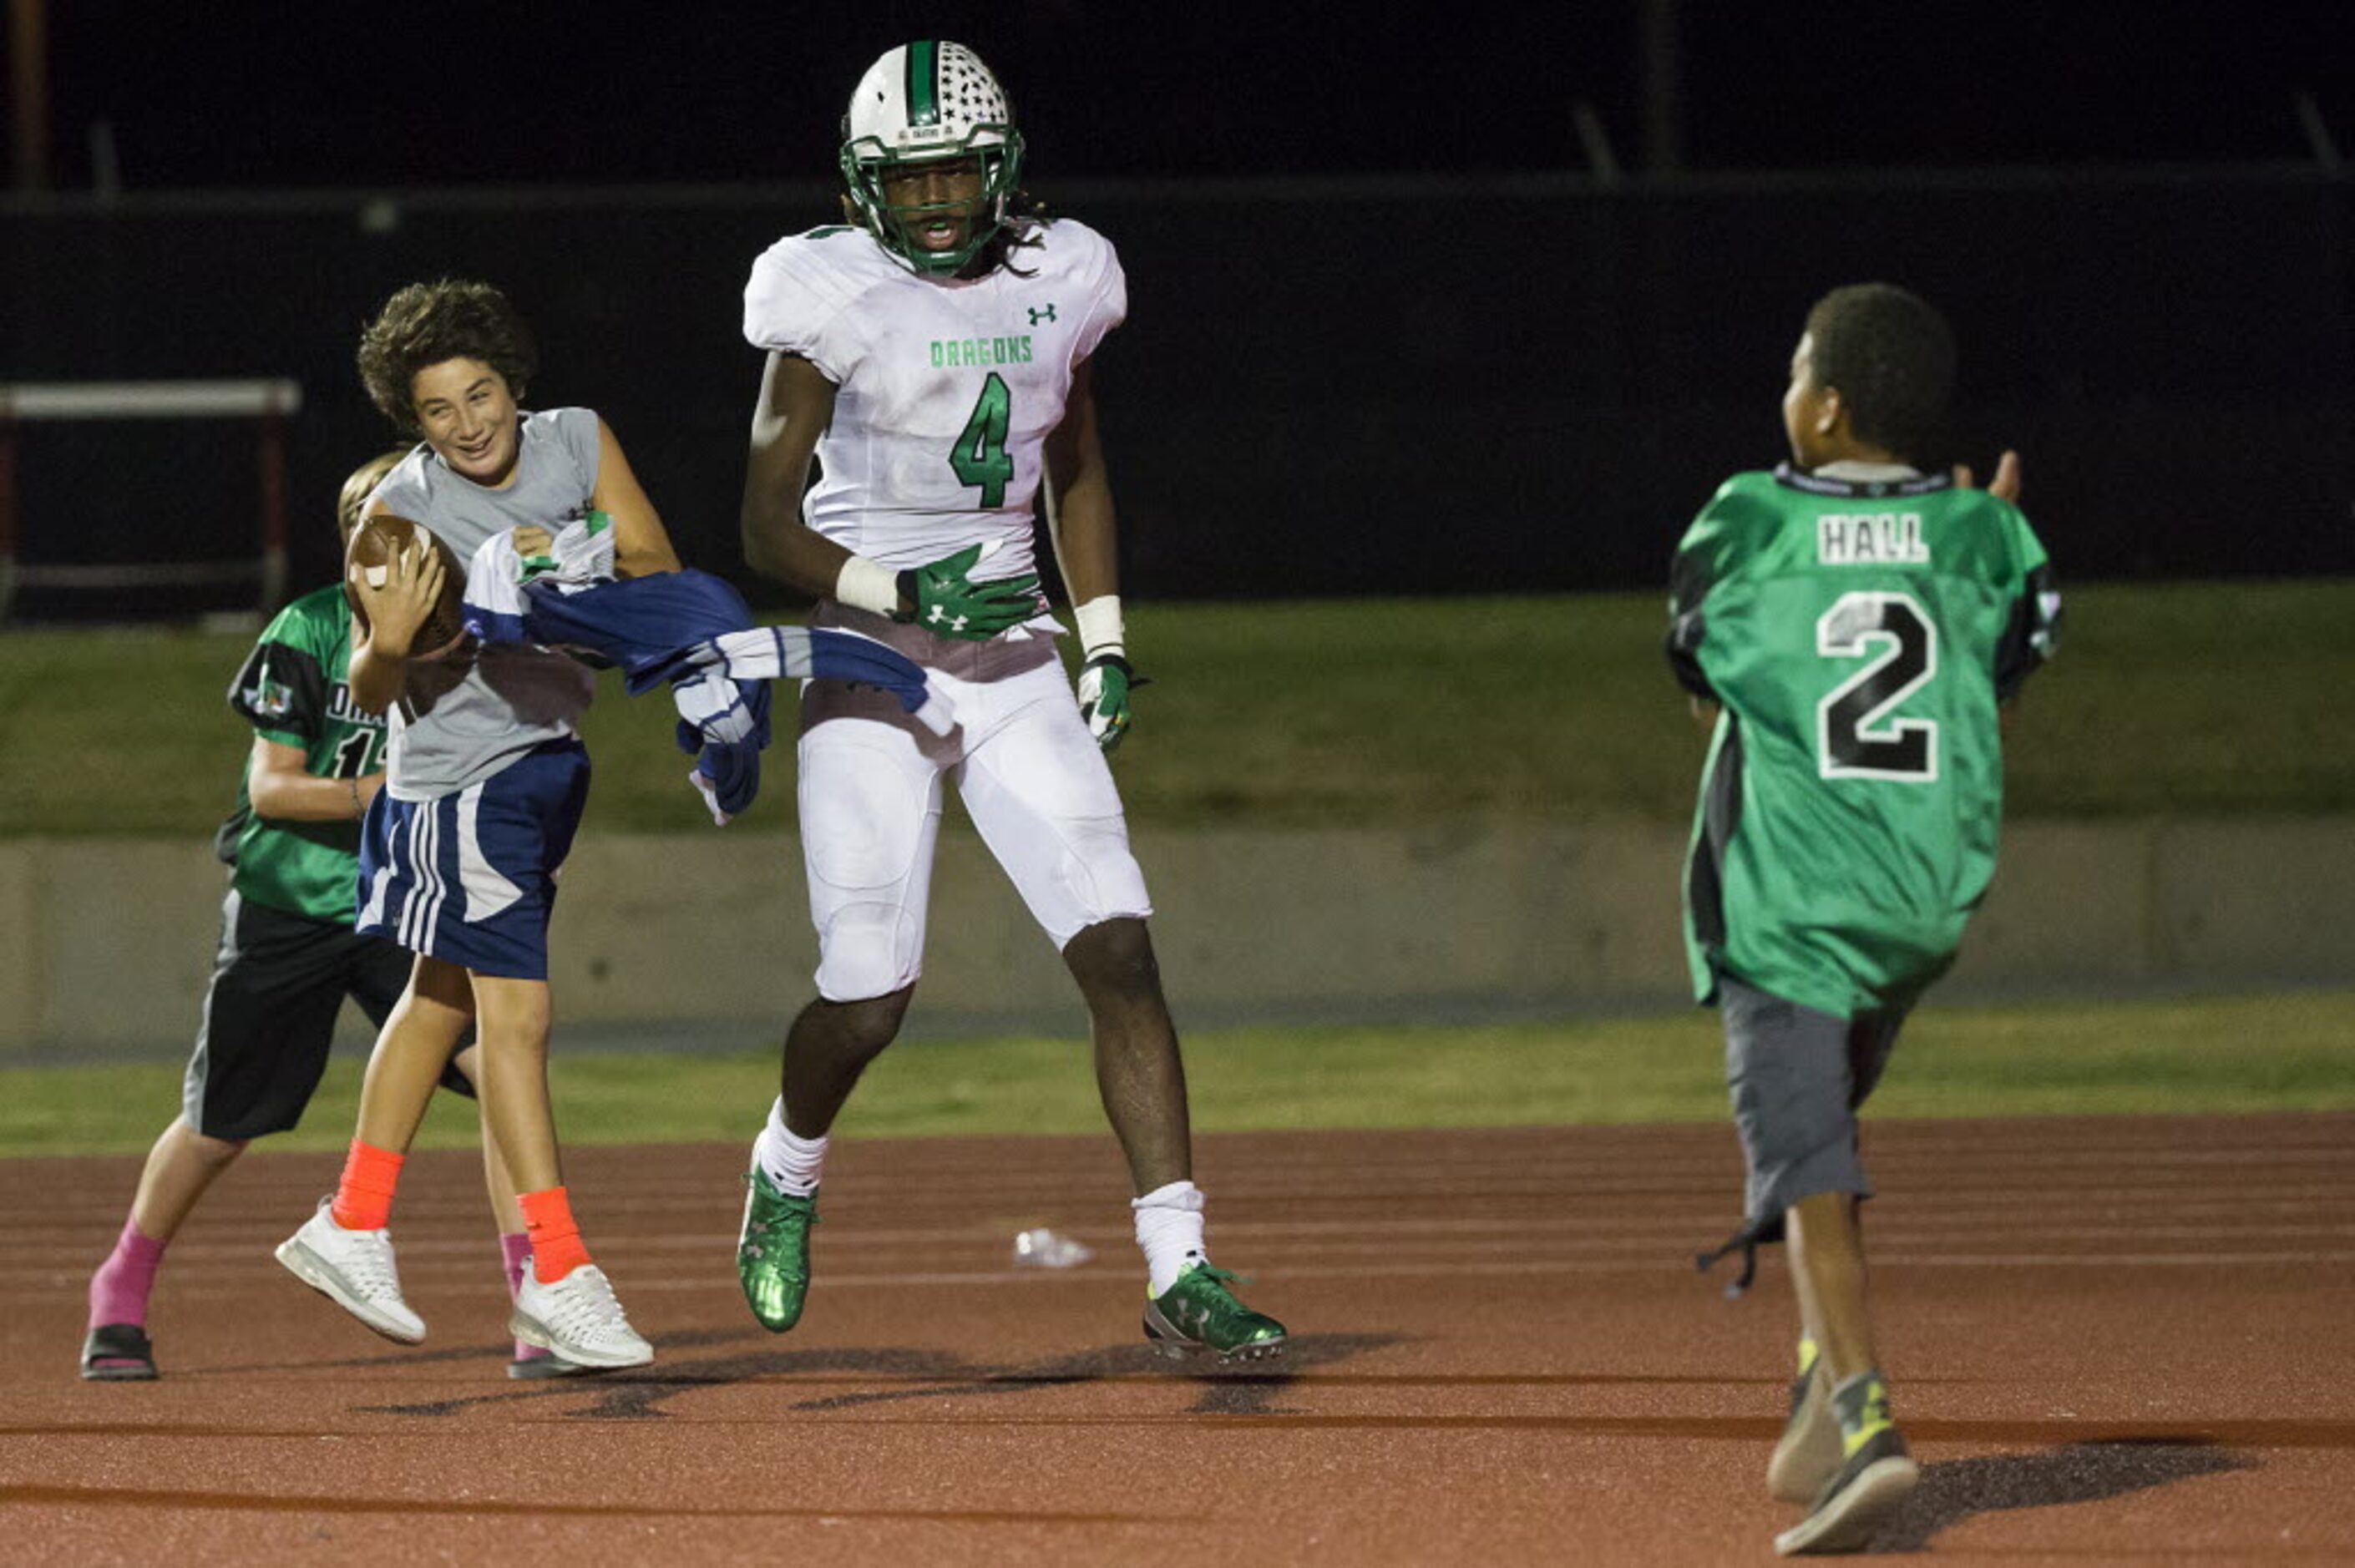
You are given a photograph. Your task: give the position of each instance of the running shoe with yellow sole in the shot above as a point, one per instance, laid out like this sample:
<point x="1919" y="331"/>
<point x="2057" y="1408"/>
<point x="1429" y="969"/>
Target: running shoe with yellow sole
<point x="1808" y="1453"/>
<point x="1870" y="1487"/>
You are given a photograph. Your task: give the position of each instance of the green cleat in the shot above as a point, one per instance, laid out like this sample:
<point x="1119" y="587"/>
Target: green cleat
<point x="1200" y="1313"/>
<point x="772" y="1251"/>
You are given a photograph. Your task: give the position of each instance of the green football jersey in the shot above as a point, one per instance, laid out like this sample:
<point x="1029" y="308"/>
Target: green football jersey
<point x="294" y="689"/>
<point x="1859" y="637"/>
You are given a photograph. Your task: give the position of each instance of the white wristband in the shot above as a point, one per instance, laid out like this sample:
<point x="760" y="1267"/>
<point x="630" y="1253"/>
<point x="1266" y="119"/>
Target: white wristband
<point x="865" y="584"/>
<point x="1100" y="628"/>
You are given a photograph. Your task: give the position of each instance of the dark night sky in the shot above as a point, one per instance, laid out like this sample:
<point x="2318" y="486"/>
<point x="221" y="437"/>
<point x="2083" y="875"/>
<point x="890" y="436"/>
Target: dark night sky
<point x="256" y="96"/>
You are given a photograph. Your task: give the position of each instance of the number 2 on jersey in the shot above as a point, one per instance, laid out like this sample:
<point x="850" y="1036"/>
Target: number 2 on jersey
<point x="980" y="456"/>
<point x="1855" y="738"/>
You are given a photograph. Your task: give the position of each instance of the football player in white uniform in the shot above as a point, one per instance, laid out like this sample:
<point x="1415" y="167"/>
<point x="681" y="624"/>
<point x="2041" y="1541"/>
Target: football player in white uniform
<point x="933" y="354"/>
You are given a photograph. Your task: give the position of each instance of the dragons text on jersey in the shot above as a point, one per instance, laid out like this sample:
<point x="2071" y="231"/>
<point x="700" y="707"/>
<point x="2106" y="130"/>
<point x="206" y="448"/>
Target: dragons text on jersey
<point x="947" y="388"/>
<point x="981" y="351"/>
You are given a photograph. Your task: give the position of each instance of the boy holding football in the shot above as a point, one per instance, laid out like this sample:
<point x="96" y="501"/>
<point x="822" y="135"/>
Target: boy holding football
<point x="485" y="784"/>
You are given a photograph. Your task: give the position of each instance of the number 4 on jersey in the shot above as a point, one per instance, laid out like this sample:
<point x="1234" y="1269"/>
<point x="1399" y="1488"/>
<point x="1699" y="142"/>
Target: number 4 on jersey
<point x="980" y="456"/>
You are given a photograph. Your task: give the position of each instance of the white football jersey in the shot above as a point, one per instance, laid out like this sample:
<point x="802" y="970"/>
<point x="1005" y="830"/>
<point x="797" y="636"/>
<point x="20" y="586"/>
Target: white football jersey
<point x="947" y="388"/>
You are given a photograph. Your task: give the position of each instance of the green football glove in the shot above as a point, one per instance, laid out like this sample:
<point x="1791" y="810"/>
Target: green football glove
<point x="949" y="603"/>
<point x="1106" y="682"/>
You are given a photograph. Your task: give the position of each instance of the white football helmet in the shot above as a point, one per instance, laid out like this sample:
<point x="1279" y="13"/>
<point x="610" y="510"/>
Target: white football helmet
<point x="930" y="102"/>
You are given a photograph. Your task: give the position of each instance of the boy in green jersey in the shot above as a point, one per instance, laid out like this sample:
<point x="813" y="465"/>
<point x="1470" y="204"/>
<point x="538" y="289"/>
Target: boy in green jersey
<point x="1852" y="626"/>
<point x="288" y="954"/>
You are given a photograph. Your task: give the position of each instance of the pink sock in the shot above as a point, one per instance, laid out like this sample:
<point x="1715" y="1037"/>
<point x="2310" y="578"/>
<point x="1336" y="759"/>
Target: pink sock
<point x="118" y="1291"/>
<point x="514" y="1250"/>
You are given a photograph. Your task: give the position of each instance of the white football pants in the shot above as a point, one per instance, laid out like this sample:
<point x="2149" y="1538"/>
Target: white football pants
<point x="1033" y="782"/>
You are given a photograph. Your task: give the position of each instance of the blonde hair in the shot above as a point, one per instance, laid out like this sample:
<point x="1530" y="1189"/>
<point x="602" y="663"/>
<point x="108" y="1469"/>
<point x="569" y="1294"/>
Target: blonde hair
<point x="360" y="486"/>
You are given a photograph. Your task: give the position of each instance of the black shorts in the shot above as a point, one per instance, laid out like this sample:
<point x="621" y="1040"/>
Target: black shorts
<point x="277" y="982"/>
<point x="1797" y="1076"/>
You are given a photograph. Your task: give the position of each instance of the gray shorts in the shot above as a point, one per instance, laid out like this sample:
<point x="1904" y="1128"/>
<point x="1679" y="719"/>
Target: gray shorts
<point x="1796" y="1077"/>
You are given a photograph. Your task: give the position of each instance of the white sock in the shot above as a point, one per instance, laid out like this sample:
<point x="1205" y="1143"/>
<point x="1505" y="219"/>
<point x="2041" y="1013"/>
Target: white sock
<point x="794" y="1163"/>
<point x="1169" y="1229"/>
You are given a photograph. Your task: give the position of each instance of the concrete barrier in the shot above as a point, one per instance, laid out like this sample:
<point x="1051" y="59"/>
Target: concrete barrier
<point x="105" y="946"/>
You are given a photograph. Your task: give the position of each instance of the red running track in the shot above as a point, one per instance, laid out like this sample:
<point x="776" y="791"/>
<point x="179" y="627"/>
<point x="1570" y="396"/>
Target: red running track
<point x="2110" y="1340"/>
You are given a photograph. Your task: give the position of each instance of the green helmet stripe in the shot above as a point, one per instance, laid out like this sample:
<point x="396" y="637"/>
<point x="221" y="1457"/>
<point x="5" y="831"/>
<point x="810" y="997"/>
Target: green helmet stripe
<point x="923" y="86"/>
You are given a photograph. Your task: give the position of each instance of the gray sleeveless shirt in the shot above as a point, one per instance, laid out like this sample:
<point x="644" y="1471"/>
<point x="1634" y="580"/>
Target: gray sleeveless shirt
<point x="453" y="729"/>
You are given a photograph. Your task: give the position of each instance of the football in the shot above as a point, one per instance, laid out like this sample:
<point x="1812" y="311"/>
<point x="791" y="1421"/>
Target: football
<point x="375" y="543"/>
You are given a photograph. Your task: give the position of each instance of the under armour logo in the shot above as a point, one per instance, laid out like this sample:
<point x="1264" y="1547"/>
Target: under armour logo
<point x="940" y="614"/>
<point x="1040" y="313"/>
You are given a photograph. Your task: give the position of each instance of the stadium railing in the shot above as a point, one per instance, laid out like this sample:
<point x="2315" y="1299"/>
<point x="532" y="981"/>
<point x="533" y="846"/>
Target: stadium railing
<point x="268" y="402"/>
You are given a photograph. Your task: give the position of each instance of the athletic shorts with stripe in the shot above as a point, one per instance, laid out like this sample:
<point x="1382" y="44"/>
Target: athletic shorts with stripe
<point x="1032" y="779"/>
<point x="1797" y="1076"/>
<point x="470" y="878"/>
<point x="279" y="980"/>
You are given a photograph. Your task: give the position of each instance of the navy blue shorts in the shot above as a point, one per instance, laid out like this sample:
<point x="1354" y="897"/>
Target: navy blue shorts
<point x="471" y="878"/>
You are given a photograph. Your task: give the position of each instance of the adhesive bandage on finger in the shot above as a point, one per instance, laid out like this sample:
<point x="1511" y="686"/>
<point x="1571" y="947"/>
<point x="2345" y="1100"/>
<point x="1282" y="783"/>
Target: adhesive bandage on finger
<point x="865" y="584"/>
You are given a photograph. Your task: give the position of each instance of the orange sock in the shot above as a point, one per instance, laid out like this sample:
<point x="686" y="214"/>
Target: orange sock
<point x="556" y="1246"/>
<point x="364" y="1197"/>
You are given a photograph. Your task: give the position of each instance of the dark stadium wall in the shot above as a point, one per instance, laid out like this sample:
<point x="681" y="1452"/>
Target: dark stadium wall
<point x="1359" y="387"/>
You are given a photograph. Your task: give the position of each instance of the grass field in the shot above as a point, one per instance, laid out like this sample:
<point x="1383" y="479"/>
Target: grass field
<point x="2195" y="699"/>
<point x="2192" y="699"/>
<point x="2213" y="1054"/>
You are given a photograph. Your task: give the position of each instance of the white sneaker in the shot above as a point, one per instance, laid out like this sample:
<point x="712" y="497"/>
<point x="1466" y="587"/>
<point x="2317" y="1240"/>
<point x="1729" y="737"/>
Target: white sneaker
<point x="579" y="1318"/>
<point x="355" y="1270"/>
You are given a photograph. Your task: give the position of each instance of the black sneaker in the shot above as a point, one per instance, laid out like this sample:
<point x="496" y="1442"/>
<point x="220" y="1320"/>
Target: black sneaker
<point x="118" y="1353"/>
<point x="1855" y="1502"/>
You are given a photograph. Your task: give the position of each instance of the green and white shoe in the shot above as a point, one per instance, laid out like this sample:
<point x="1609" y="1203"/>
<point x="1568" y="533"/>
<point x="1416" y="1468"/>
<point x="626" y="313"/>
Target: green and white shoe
<point x="772" y="1251"/>
<point x="1200" y="1313"/>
